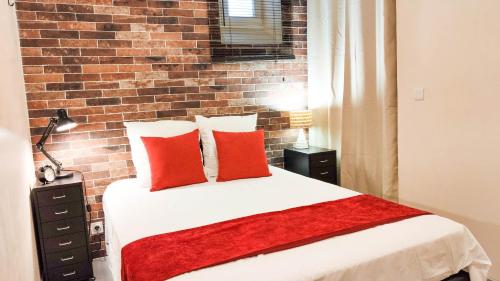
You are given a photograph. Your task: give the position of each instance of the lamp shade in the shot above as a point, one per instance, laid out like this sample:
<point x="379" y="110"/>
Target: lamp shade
<point x="64" y="123"/>
<point x="301" y="119"/>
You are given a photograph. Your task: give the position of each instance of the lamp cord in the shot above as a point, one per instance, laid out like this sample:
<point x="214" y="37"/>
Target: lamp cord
<point x="87" y="205"/>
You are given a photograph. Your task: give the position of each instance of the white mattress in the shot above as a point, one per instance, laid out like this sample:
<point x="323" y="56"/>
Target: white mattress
<point x="422" y="248"/>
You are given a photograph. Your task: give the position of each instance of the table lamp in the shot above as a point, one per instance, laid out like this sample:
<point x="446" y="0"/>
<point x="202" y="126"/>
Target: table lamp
<point x="60" y="123"/>
<point x="300" y="120"/>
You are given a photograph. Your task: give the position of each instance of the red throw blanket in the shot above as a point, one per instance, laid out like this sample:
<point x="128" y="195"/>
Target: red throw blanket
<point x="164" y="256"/>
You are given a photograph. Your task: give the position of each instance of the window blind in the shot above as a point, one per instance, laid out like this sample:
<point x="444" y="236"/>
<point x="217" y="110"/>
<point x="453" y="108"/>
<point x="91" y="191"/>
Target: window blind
<point x="244" y="30"/>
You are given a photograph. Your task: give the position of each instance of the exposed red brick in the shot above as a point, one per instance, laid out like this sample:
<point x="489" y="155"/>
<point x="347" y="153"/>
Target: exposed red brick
<point x="102" y="85"/>
<point x="172" y="113"/>
<point x="109" y="61"/>
<point x="76" y="26"/>
<point x="98" y="52"/>
<point x="120" y="93"/>
<point x="163" y="4"/>
<point x="45" y="16"/>
<point x="60" y="52"/>
<point x="80" y="60"/>
<point x="99" y="68"/>
<point x="78" y="43"/>
<point x="94" y="18"/>
<point x="33" y="69"/>
<point x="120" y="109"/>
<point x="115" y="44"/>
<point x="64" y="86"/>
<point x="30" y="52"/>
<point x="97" y="35"/>
<point x="75" y="8"/>
<point x="129" y="19"/>
<point x="112" y="27"/>
<point x="30" y="6"/>
<point x="43" y="78"/>
<point x="63" y="69"/>
<point x="138" y="100"/>
<point x="139" y="116"/>
<point x="37" y="25"/>
<point x="117" y="76"/>
<point x="81" y="77"/>
<point x="170" y="98"/>
<point x="85" y="110"/>
<point x="58" y="34"/>
<point x="39" y="43"/>
<point x="103" y="101"/>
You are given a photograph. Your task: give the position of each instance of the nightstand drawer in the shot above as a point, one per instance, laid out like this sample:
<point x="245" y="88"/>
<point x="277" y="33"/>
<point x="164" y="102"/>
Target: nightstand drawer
<point x="59" y="196"/>
<point x="60" y="212"/>
<point x="323" y="172"/>
<point x="323" y="159"/>
<point x="70" y="272"/>
<point x="67" y="257"/>
<point x="62" y="227"/>
<point x="62" y="243"/>
<point x="326" y="174"/>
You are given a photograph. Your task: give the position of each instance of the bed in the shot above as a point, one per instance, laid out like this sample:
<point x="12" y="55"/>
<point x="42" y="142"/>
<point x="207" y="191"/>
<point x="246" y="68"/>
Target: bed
<point x="426" y="247"/>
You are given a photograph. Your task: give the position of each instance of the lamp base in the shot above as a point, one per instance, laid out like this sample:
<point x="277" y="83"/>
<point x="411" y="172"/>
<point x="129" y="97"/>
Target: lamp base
<point x="64" y="175"/>
<point x="301" y="142"/>
<point x="300" y="146"/>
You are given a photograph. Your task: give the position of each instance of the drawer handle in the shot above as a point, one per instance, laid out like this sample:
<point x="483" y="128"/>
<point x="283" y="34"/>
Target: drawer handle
<point x="62" y="244"/>
<point x="61" y="213"/>
<point x="324" y="173"/>
<point x="63" y="228"/>
<point x="69" y="274"/>
<point x="59" y="197"/>
<point x="68" y="258"/>
<point x="323" y="161"/>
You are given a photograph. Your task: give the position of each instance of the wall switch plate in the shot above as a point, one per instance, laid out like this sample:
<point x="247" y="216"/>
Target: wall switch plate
<point x="419" y="94"/>
<point x="96" y="228"/>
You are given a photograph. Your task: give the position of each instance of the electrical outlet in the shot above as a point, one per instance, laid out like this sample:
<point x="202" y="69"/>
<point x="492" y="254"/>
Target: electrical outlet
<point x="96" y="228"/>
<point x="419" y="94"/>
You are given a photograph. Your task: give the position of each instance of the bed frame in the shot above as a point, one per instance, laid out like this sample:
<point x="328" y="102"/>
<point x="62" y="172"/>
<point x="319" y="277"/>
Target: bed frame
<point x="461" y="276"/>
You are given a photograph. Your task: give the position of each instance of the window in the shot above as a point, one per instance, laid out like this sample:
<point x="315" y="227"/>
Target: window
<point x="251" y="22"/>
<point x="245" y="30"/>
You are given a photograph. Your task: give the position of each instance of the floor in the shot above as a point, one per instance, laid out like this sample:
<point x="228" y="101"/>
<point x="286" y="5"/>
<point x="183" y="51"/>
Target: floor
<point x="101" y="270"/>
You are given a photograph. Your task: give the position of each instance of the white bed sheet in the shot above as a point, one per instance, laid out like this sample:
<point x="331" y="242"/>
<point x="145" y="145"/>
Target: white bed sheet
<point x="422" y="248"/>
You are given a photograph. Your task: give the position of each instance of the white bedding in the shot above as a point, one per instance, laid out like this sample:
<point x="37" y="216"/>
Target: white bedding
<point x="422" y="248"/>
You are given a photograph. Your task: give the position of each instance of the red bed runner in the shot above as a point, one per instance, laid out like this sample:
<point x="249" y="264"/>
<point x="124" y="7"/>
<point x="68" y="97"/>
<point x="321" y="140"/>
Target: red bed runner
<point x="164" y="256"/>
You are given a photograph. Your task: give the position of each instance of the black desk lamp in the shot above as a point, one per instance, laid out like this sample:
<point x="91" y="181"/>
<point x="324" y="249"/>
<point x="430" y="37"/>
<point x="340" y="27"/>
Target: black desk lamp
<point x="60" y="123"/>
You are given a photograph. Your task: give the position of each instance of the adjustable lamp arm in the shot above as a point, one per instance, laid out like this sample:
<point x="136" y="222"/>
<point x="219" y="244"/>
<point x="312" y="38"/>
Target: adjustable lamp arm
<point x="40" y="144"/>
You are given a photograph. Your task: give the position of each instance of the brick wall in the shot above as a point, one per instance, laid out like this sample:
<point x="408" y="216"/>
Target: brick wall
<point x="113" y="61"/>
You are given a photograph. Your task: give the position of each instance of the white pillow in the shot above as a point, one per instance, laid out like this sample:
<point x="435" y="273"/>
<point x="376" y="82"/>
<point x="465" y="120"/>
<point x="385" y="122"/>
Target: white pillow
<point x="226" y="124"/>
<point x="164" y="128"/>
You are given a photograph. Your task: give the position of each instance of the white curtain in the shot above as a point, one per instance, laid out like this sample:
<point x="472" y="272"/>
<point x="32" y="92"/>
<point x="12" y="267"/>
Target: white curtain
<point x="353" y="90"/>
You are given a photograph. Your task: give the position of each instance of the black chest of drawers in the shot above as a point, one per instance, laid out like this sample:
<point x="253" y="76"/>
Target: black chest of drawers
<point x="61" y="230"/>
<point x="314" y="162"/>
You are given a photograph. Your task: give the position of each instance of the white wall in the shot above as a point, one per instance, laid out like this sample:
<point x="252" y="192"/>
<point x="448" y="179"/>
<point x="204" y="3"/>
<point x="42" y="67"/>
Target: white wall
<point x="18" y="260"/>
<point x="449" y="144"/>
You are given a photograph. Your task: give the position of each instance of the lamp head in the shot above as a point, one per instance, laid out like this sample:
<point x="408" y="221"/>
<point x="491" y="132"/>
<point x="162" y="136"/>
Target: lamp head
<point x="301" y="119"/>
<point x="64" y="123"/>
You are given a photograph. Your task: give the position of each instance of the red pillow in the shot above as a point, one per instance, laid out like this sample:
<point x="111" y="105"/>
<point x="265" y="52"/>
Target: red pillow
<point x="174" y="161"/>
<point x="241" y="155"/>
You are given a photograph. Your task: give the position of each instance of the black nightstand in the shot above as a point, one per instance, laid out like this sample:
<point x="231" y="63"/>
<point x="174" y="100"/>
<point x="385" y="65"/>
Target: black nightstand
<point x="315" y="162"/>
<point x="61" y="230"/>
